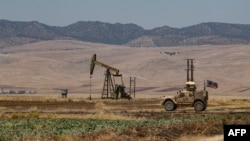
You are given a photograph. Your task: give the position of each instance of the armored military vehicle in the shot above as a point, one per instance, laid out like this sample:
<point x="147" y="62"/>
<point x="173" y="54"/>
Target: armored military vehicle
<point x="188" y="96"/>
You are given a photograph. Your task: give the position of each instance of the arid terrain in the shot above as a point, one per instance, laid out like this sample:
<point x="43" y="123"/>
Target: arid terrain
<point x="25" y="117"/>
<point x="44" y="68"/>
<point x="52" y="65"/>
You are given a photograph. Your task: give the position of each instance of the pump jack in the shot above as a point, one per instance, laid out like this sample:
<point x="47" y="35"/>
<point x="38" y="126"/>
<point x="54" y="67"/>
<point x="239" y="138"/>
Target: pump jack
<point x="110" y="89"/>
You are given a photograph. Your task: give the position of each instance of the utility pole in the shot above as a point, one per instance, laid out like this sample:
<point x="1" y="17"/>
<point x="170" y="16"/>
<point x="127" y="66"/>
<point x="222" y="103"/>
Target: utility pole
<point x="190" y="70"/>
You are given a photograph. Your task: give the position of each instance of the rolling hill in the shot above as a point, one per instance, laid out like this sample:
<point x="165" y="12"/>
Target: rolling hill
<point x="17" y="33"/>
<point x="47" y="66"/>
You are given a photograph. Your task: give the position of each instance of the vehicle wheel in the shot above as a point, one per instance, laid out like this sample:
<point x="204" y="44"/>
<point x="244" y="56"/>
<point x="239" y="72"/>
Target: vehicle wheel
<point x="169" y="105"/>
<point x="199" y="106"/>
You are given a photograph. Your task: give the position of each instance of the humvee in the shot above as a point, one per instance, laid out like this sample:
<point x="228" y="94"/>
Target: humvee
<point x="187" y="97"/>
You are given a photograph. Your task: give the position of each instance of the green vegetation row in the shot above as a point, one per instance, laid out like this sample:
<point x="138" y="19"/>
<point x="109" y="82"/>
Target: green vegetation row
<point x="26" y="128"/>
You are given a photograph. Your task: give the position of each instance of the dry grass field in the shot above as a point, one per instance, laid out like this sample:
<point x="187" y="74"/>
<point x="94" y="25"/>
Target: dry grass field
<point x="46" y="67"/>
<point x="32" y="118"/>
<point x="49" y="66"/>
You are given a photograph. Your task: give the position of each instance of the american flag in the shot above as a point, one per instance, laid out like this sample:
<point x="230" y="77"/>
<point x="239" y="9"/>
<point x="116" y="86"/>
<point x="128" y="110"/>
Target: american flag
<point x="212" y="84"/>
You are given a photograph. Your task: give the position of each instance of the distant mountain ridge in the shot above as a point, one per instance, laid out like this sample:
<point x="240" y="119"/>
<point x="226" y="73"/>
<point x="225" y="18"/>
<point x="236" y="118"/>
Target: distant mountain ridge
<point x="17" y="33"/>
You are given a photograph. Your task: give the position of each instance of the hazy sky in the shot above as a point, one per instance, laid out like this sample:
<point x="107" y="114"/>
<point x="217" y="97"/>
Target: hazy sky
<point x="146" y="13"/>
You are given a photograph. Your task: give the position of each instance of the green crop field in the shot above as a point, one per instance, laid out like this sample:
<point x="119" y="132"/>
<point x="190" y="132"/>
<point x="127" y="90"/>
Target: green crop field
<point x="16" y="129"/>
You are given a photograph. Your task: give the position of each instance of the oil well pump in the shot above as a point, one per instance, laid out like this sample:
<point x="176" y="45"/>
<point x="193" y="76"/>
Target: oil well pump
<point x="110" y="88"/>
